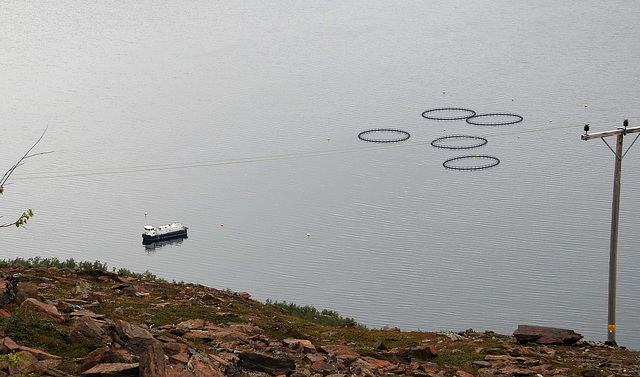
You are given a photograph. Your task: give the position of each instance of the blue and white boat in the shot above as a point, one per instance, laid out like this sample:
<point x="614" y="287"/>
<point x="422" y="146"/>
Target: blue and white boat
<point x="164" y="232"/>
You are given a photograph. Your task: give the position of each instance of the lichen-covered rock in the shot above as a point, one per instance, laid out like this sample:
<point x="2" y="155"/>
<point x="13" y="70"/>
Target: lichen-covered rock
<point x="8" y="288"/>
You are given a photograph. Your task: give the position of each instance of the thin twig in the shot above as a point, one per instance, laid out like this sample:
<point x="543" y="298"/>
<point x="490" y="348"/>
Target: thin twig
<point x="8" y="173"/>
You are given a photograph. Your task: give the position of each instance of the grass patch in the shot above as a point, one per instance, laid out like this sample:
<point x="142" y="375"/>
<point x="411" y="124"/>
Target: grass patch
<point x="33" y="331"/>
<point x="464" y="354"/>
<point x="142" y="312"/>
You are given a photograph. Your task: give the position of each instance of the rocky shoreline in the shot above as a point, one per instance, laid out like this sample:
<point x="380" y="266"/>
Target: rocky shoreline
<point x="120" y="326"/>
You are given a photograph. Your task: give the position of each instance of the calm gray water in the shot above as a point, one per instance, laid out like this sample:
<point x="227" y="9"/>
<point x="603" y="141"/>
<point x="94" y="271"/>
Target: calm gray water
<point x="240" y="119"/>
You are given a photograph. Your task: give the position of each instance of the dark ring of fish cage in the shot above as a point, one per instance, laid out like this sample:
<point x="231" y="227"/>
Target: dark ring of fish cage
<point x="403" y="135"/>
<point x="427" y="114"/>
<point x="493" y="162"/>
<point x="473" y="119"/>
<point x="439" y="142"/>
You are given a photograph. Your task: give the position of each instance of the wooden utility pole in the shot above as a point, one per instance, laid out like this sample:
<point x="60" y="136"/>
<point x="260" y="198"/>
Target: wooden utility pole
<point x="615" y="211"/>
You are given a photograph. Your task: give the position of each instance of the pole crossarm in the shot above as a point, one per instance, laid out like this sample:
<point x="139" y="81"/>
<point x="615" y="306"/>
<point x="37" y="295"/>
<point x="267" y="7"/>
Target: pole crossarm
<point x="619" y="131"/>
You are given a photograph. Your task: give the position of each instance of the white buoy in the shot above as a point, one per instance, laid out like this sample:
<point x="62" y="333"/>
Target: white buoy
<point x="146" y="213"/>
<point x="221" y="224"/>
<point x="308" y="234"/>
<point x="585" y="105"/>
<point x="444" y="92"/>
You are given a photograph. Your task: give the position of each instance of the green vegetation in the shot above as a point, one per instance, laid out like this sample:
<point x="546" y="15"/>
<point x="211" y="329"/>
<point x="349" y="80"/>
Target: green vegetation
<point x="53" y="262"/>
<point x="309" y="313"/>
<point x="462" y="354"/>
<point x="73" y="265"/>
<point x="155" y="303"/>
<point x="13" y="359"/>
<point x="31" y="330"/>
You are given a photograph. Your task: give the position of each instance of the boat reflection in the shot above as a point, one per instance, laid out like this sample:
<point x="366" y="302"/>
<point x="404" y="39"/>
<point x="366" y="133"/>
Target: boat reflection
<point x="152" y="247"/>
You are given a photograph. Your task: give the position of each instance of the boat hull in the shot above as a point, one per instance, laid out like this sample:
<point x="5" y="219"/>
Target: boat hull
<point x="147" y="239"/>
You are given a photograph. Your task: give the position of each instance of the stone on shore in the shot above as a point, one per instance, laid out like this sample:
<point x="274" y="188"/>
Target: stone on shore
<point x="545" y="335"/>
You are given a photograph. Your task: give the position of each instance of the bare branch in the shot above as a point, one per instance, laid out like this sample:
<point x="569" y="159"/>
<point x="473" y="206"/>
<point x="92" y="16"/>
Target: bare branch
<point x="26" y="215"/>
<point x="8" y="173"/>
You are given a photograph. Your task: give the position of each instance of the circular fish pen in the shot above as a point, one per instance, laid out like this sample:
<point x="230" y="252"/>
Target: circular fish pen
<point x="471" y="162"/>
<point x="389" y="135"/>
<point x="455" y="113"/>
<point x="490" y="119"/>
<point x="459" y="142"/>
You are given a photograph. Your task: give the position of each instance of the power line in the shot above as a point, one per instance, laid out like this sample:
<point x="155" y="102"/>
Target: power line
<point x="275" y="157"/>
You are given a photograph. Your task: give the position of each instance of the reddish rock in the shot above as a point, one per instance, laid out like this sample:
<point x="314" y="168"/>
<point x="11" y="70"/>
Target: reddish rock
<point x="192" y="324"/>
<point x="135" y="337"/>
<point x="424" y="351"/>
<point x="240" y="333"/>
<point x="246" y="328"/>
<point x="487" y="372"/>
<point x="113" y="370"/>
<point x="515" y="370"/>
<point x="41" y="307"/>
<point x="300" y="345"/>
<point x="545" y="335"/>
<point x="152" y="361"/>
<point x="7" y="345"/>
<point x="204" y="367"/>
<point x="173" y="348"/>
<point x="341" y="352"/>
<point x="82" y="288"/>
<point x="86" y="313"/>
<point x="244" y="295"/>
<point x="377" y="363"/>
<point x="47" y="365"/>
<point x="40" y="355"/>
<point x="179" y="358"/>
<point x="265" y="363"/>
<point x="27" y="290"/>
<point x="102" y="355"/>
<point x="64" y="307"/>
<point x="178" y="371"/>
<point x="380" y="346"/>
<point x="219" y="360"/>
<point x="85" y="330"/>
<point x="210" y="335"/>
<point x="322" y="367"/>
<point x="26" y="363"/>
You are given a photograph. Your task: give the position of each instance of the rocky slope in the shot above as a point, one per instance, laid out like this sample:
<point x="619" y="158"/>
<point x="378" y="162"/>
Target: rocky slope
<point x="61" y="322"/>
